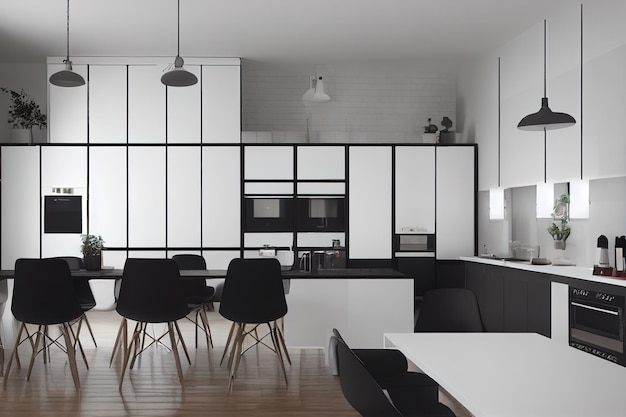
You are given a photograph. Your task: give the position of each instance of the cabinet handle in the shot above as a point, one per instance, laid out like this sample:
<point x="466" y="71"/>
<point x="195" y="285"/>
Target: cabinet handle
<point x="602" y="310"/>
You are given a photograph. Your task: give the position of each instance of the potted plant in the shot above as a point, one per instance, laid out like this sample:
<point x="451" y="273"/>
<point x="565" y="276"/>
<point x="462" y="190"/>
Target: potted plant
<point x="92" y="251"/>
<point x="560" y="232"/>
<point x="24" y="114"/>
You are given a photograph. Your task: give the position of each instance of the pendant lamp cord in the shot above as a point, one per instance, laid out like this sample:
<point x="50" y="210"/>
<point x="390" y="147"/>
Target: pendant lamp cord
<point x="68" y="31"/>
<point x="545" y="73"/>
<point x="178" y="41"/>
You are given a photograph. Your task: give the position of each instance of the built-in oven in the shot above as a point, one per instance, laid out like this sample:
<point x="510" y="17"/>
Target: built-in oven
<point x="268" y="214"/>
<point x="597" y="323"/>
<point x="321" y="214"/>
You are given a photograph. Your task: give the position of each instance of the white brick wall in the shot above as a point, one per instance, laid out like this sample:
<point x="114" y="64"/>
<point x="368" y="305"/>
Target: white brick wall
<point x="369" y="104"/>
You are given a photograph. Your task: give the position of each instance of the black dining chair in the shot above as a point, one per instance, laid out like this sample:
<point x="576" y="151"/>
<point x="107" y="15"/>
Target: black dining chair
<point x="198" y="295"/>
<point x="253" y="296"/>
<point x="43" y="295"/>
<point x="449" y="310"/>
<point x="151" y="292"/>
<point x="83" y="292"/>
<point x="390" y="369"/>
<point x="4" y="296"/>
<point x="369" y="399"/>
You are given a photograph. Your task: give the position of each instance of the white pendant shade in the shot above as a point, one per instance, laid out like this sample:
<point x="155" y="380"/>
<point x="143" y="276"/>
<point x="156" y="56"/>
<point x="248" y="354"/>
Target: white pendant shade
<point x="316" y="92"/>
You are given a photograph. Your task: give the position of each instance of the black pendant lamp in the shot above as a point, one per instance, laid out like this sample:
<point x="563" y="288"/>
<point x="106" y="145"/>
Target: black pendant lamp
<point x="545" y="118"/>
<point x="178" y="76"/>
<point x="67" y="77"/>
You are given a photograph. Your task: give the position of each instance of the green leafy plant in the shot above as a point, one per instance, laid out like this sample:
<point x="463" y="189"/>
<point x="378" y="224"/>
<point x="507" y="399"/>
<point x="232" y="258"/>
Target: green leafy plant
<point x="92" y="245"/>
<point x="560" y="213"/>
<point x="24" y="112"/>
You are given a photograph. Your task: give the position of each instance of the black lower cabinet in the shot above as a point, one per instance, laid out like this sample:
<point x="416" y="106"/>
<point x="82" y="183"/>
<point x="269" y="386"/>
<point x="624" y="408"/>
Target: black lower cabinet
<point x="510" y="300"/>
<point x="421" y="269"/>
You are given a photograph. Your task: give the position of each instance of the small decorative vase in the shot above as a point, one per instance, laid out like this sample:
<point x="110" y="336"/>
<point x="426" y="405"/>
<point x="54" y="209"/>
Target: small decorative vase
<point x="21" y="136"/>
<point x="559" y="244"/>
<point x="93" y="262"/>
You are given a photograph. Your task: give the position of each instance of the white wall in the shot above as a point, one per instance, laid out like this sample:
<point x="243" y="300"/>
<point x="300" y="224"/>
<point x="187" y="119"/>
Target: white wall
<point x="369" y="103"/>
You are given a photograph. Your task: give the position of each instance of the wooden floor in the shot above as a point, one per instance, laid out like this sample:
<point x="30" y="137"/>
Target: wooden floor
<point x="152" y="387"/>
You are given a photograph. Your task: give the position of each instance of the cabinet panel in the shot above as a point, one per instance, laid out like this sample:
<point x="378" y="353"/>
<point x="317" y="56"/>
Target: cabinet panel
<point x="146" y="104"/>
<point x="321" y="162"/>
<point x="107" y="103"/>
<point x="370" y="203"/>
<point x="515" y="302"/>
<point x="20" y="203"/>
<point x="183" y="196"/>
<point x="415" y="188"/>
<point x="146" y="201"/>
<point x="221" y="104"/>
<point x="493" y="300"/>
<point x="107" y="194"/>
<point x="221" y="197"/>
<point x="455" y="202"/>
<point x="539" y="304"/>
<point x="268" y="162"/>
<point x="67" y="109"/>
<point x="183" y="111"/>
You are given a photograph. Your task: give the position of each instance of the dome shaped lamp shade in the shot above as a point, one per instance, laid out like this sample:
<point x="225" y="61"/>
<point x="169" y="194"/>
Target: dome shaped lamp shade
<point x="545" y="118"/>
<point x="178" y="76"/>
<point x="320" y="96"/>
<point x="67" y="77"/>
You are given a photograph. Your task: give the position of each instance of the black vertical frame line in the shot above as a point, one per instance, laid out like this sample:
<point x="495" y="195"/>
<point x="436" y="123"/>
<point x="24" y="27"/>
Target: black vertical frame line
<point x="1" y="249"/>
<point x="87" y="196"/>
<point x="127" y="162"/>
<point x="545" y="156"/>
<point x="346" y="179"/>
<point x="167" y="201"/>
<point x="294" y="235"/>
<point x="40" y="202"/>
<point x="581" y="89"/>
<point x="499" y="119"/>
<point x="436" y="148"/>
<point x="476" y="156"/>
<point x="201" y="149"/>
<point x="393" y="200"/>
<point x="242" y="191"/>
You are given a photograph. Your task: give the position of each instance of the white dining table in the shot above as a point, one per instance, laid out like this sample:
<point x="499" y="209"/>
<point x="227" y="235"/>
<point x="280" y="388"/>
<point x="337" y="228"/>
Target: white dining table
<point x="516" y="374"/>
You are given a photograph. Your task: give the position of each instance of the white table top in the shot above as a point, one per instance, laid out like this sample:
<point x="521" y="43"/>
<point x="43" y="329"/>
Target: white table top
<point x="517" y="374"/>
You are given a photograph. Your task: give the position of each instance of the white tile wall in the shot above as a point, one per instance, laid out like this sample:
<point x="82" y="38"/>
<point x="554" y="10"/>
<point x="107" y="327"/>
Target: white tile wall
<point x="369" y="104"/>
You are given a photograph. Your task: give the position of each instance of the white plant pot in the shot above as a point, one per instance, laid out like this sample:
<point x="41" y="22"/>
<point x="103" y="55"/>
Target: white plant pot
<point x="21" y="136"/>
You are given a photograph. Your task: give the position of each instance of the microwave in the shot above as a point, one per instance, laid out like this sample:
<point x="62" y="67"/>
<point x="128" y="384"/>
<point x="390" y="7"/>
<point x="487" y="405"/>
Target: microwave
<point x="321" y="214"/>
<point x="268" y="214"/>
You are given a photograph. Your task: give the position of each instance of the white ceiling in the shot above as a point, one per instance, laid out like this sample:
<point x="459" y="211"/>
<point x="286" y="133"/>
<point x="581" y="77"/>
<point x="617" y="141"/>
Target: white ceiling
<point x="314" y="32"/>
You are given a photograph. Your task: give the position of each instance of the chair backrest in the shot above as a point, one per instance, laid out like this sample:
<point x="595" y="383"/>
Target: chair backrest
<point x="151" y="291"/>
<point x="449" y="310"/>
<point x="74" y="262"/>
<point x="43" y="292"/>
<point x="359" y="387"/>
<point x="253" y="291"/>
<point x="189" y="261"/>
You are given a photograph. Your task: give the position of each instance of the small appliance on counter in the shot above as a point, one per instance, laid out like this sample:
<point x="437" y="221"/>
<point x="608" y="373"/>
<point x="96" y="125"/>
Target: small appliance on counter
<point x="620" y="246"/>
<point x="602" y="266"/>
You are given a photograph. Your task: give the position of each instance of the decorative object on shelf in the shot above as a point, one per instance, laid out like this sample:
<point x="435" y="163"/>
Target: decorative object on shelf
<point x="560" y="232"/>
<point x="178" y="76"/>
<point x="545" y="118"/>
<point x="67" y="77"/>
<point x="92" y="251"/>
<point x="446" y="123"/>
<point x="430" y="128"/>
<point x="316" y="92"/>
<point x="24" y="114"/>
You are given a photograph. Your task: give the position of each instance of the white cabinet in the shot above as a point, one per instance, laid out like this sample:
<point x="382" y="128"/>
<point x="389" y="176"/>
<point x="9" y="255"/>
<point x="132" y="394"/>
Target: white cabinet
<point x="20" y="203"/>
<point x="604" y="90"/>
<point x="183" y="111"/>
<point x="107" y="103"/>
<point x="268" y="163"/>
<point x="521" y="71"/>
<point x="221" y="104"/>
<point x="221" y="196"/>
<point x="67" y="109"/>
<point x="321" y="162"/>
<point x="146" y="104"/>
<point x="415" y="188"/>
<point x="370" y="177"/>
<point x="183" y="196"/>
<point x="455" y="202"/>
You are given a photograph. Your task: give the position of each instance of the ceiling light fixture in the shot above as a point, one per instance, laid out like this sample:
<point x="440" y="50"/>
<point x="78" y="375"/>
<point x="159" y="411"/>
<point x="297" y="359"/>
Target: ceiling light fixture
<point x="545" y="118"/>
<point x="178" y="76"/>
<point x="316" y="92"/>
<point x="67" y="77"/>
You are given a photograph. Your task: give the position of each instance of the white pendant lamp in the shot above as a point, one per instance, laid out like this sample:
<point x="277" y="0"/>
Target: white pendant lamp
<point x="178" y="76"/>
<point x="67" y="77"/>
<point x="316" y="92"/>
<point x="545" y="118"/>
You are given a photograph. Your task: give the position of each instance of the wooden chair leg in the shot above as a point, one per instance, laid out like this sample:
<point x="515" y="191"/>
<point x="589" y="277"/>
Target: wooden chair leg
<point x="207" y="328"/>
<point x="71" y="354"/>
<point x="235" y="356"/>
<point x="133" y="341"/>
<point x="281" y="338"/>
<point x="230" y="335"/>
<point x="274" y="335"/>
<point x="182" y="341"/>
<point x="40" y="333"/>
<point x="13" y="354"/>
<point x="123" y="328"/>
<point x="170" y="330"/>
<point x="84" y="317"/>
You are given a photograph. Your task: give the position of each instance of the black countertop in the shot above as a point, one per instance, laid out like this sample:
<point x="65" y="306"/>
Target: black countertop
<point x="345" y="273"/>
